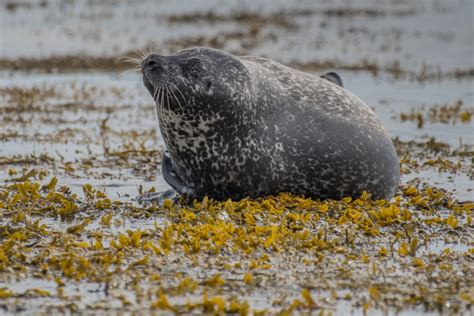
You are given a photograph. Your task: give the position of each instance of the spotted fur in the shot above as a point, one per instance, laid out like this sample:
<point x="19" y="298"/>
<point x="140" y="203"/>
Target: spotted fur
<point x="248" y="126"/>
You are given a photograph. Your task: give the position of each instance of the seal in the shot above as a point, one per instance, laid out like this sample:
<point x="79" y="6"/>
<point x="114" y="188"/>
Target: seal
<point x="247" y="126"/>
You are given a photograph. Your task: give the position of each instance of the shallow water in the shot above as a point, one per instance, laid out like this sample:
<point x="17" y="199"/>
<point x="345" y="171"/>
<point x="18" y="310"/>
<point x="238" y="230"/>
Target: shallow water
<point x="99" y="125"/>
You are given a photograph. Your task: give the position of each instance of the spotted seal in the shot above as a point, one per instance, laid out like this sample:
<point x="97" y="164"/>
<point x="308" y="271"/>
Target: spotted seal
<point x="248" y="126"/>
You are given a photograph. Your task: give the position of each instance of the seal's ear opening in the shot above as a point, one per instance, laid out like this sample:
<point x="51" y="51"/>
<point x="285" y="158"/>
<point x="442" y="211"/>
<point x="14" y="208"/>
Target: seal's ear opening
<point x="334" y="78"/>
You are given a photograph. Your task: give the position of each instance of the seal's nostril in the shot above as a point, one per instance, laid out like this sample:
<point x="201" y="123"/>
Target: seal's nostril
<point x="151" y="63"/>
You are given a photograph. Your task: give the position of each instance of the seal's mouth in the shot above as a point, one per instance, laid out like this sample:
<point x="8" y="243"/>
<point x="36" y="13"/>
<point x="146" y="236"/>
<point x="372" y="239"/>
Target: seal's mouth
<point x="153" y="72"/>
<point x="159" y="82"/>
<point x="150" y="82"/>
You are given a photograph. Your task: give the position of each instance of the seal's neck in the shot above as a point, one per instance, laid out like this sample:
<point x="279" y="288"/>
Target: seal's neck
<point x="183" y="132"/>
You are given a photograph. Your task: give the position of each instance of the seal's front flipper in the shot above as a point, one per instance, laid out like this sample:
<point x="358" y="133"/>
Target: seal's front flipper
<point x="157" y="198"/>
<point x="170" y="176"/>
<point x="334" y="78"/>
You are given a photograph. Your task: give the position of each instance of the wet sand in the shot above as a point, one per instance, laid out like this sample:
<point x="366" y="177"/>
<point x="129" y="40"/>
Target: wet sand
<point x="79" y="140"/>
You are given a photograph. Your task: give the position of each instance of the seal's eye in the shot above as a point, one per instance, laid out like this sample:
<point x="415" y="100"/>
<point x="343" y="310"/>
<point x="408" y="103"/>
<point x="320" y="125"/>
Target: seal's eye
<point x="192" y="68"/>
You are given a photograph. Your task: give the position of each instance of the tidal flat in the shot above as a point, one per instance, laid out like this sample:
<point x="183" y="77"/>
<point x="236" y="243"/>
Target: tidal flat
<point x="79" y="140"/>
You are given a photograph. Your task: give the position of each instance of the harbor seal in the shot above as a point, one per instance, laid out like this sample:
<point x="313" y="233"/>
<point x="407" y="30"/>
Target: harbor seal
<point x="247" y="126"/>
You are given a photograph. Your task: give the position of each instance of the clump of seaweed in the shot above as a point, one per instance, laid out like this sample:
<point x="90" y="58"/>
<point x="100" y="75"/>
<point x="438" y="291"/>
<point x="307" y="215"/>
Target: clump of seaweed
<point x="452" y="113"/>
<point x="287" y="252"/>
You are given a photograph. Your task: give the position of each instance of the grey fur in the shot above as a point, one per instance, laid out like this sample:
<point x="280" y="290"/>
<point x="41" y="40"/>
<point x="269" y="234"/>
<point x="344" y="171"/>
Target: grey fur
<point x="248" y="126"/>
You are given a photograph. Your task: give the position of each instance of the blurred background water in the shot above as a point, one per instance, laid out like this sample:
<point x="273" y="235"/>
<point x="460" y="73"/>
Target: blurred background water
<point x="70" y="109"/>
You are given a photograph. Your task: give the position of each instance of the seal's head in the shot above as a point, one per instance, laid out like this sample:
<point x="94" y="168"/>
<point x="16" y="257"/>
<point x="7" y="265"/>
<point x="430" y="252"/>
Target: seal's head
<point x="193" y="78"/>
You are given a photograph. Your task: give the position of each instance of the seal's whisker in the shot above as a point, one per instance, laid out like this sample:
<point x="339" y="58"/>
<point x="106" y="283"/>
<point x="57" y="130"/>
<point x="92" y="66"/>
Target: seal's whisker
<point x="155" y="95"/>
<point x="152" y="49"/>
<point x="161" y="96"/>
<point x="137" y="53"/>
<point x="128" y="59"/>
<point x="167" y="98"/>
<point x="162" y="105"/>
<point x="158" y="101"/>
<point x="157" y="104"/>
<point x="175" y="97"/>
<point x="154" y="92"/>
<point x="142" y="54"/>
<point x="176" y="87"/>
<point x="147" y="51"/>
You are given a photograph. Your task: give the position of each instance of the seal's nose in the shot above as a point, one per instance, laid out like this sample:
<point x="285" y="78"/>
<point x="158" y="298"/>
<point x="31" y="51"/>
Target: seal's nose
<point x="153" y="62"/>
